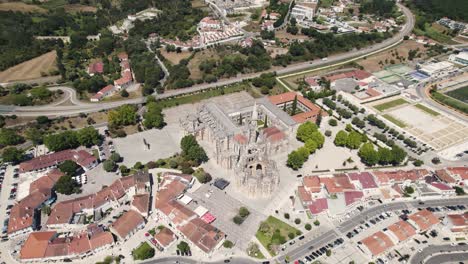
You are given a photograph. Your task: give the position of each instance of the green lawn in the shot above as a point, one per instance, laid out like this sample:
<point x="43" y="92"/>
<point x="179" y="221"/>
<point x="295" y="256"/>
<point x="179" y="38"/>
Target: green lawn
<point x="394" y="120"/>
<point x="143" y="251"/>
<point x="390" y="104"/>
<point x="449" y="101"/>
<point x="459" y="94"/>
<point x="275" y="234"/>
<point x="435" y="32"/>
<point x="427" y="110"/>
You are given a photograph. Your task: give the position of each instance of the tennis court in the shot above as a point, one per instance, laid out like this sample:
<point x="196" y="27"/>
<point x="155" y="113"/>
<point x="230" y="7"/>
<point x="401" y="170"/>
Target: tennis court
<point x="399" y="69"/>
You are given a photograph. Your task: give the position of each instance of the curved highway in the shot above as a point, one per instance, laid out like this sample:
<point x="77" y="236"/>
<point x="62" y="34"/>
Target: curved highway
<point x="83" y="107"/>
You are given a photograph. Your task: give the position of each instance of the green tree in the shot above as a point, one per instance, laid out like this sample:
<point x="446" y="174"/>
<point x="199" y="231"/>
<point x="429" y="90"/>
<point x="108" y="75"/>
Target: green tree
<point x="311" y="145"/>
<point x="332" y="122"/>
<point x="123" y="116"/>
<point x="42" y="120"/>
<point x="353" y="140"/>
<point x="243" y="212"/>
<point x="35" y="135"/>
<point x="9" y="137"/>
<point x="183" y="247"/>
<point x="308" y="227"/>
<point x="368" y="154"/>
<point x="305" y="131"/>
<point x="109" y="165"/>
<point x="228" y="244"/>
<point x="62" y="141"/>
<point x="398" y="155"/>
<point x="385" y="156"/>
<point x="89" y="136"/>
<point x="115" y="157"/>
<point x="12" y="154"/>
<point x="153" y="116"/>
<point x="66" y="185"/>
<point x="341" y="138"/>
<point x="69" y="167"/>
<point x="294" y="106"/>
<point x="295" y="160"/>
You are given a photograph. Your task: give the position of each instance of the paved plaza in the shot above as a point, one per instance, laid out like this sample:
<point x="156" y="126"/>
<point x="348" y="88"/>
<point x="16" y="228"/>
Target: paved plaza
<point x="162" y="144"/>
<point x="439" y="131"/>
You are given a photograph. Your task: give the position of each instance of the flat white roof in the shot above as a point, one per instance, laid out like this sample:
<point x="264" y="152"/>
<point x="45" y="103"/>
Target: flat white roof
<point x="200" y="211"/>
<point x="185" y="199"/>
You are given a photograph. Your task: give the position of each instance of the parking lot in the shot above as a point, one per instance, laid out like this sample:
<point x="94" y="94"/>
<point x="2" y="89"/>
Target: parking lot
<point x="8" y="192"/>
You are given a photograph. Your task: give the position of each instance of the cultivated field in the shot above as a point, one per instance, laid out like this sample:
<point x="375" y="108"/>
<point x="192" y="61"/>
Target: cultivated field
<point x="30" y="69"/>
<point x="73" y="8"/>
<point x="175" y="57"/>
<point x="21" y="7"/>
<point x="371" y="63"/>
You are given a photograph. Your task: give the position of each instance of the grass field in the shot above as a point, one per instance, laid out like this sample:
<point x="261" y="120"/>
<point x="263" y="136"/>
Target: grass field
<point x="436" y="32"/>
<point x="276" y="234"/>
<point x="74" y="8"/>
<point x="30" y="69"/>
<point x="175" y="57"/>
<point x="21" y="7"/>
<point x="141" y="252"/>
<point x="449" y="101"/>
<point x="371" y="63"/>
<point x="394" y="120"/>
<point x="427" y="109"/>
<point x="390" y="104"/>
<point x="459" y="94"/>
<point x="195" y="72"/>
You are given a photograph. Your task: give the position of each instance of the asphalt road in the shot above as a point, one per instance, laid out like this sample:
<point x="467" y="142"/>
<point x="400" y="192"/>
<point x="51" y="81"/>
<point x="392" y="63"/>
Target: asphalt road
<point x="445" y="253"/>
<point x="422" y="93"/>
<point x="330" y="235"/>
<point x="83" y="107"/>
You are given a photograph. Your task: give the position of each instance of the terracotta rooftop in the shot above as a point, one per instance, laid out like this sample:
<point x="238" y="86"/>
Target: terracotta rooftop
<point x="164" y="237"/>
<point x="377" y="243"/>
<point x="46" y="182"/>
<point x="365" y="178"/>
<point x="101" y="239"/>
<point x="352" y="197"/>
<point x="424" y="219"/>
<point x="459" y="222"/>
<point x="128" y="222"/>
<point x="402" y="230"/>
<point x="303" y="194"/>
<point x="22" y="213"/>
<point x="312" y="183"/>
<point x="81" y="157"/>
<point x="337" y="184"/>
<point x="461" y="172"/>
<point x="443" y="175"/>
<point x="273" y="134"/>
<point x="289" y="97"/>
<point x="442" y="186"/>
<point x="96" y="67"/>
<point x="203" y="235"/>
<point x="318" y="206"/>
<point x="400" y="175"/>
<point x="36" y="245"/>
<point x="141" y="202"/>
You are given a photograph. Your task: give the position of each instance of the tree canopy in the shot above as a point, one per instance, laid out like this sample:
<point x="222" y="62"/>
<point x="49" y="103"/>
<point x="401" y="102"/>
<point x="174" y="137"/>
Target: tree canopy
<point x="123" y="116"/>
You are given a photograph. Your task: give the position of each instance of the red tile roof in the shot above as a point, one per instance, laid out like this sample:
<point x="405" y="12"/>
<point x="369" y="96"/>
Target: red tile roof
<point x="318" y="206"/>
<point x="402" y="230"/>
<point x="303" y="194"/>
<point x="459" y="222"/>
<point x="352" y="197"/>
<point x="312" y="183"/>
<point x="289" y="97"/>
<point x="81" y="157"/>
<point x="241" y="139"/>
<point x="442" y="186"/>
<point x="204" y="235"/>
<point x="443" y="175"/>
<point x="462" y="172"/>
<point x="424" y="219"/>
<point x="127" y="223"/>
<point x="337" y="184"/>
<point x="141" y="202"/>
<point x="377" y="243"/>
<point x="46" y="182"/>
<point x="22" y="213"/>
<point x="97" y="67"/>
<point x="365" y="178"/>
<point x="36" y="245"/>
<point x="101" y="239"/>
<point x="273" y="134"/>
<point x="399" y="176"/>
<point x="164" y="237"/>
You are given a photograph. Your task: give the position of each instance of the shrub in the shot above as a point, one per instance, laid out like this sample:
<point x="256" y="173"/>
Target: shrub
<point x="308" y="227"/>
<point x="228" y="244"/>
<point x="286" y="215"/>
<point x="317" y="222"/>
<point x="297" y="221"/>
<point x="332" y="122"/>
